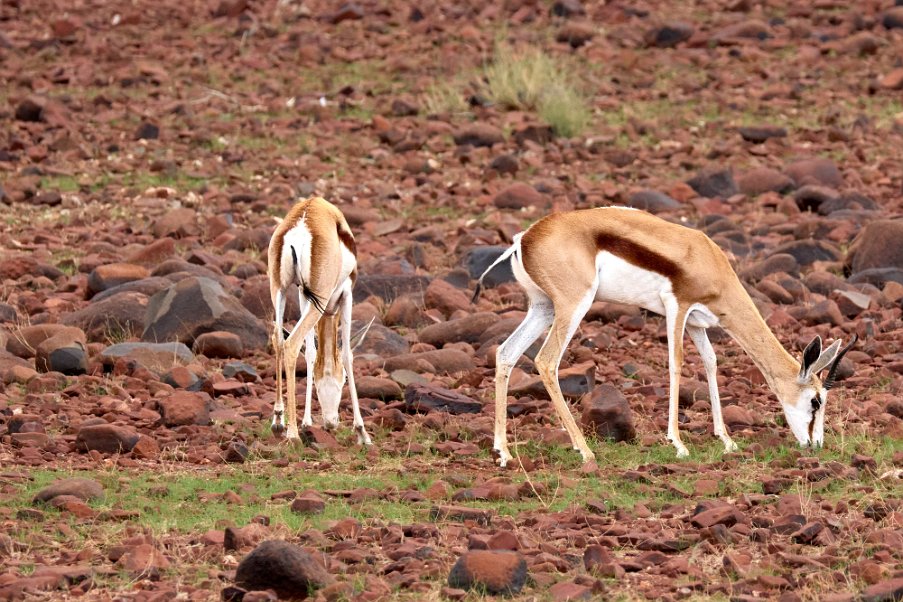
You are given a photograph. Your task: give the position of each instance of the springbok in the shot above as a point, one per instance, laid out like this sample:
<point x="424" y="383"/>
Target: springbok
<point x="314" y="249"/>
<point x="565" y="261"/>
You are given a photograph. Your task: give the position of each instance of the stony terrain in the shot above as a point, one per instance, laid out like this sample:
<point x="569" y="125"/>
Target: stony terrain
<point x="145" y="150"/>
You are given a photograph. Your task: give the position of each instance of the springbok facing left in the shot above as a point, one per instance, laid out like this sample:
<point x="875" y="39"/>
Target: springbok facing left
<point x="314" y="249"/>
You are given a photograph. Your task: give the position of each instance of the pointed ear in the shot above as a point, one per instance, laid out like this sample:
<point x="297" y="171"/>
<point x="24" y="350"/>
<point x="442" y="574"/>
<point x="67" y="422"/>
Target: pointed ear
<point x="810" y="356"/>
<point x="827" y="356"/>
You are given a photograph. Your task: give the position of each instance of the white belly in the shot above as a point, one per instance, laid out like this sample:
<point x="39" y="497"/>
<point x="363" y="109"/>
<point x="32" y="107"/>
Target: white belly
<point x="623" y="282"/>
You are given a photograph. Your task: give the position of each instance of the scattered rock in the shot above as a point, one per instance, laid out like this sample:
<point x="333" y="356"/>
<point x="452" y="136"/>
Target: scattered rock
<point x="607" y="414"/>
<point x="283" y="567"/>
<point x="668" y="35"/>
<point x="106" y="438"/>
<point x="430" y="398"/>
<point x="714" y="182"/>
<point x="820" y="172"/>
<point x="157" y="357"/>
<point x="652" y="201"/>
<point x="185" y="407"/>
<point x="218" y="344"/>
<point x="519" y="196"/>
<point x="81" y="488"/>
<point x="760" y="133"/>
<point x="110" y="275"/>
<point x="498" y="572"/>
<point x="479" y="134"/>
<point x="763" y="179"/>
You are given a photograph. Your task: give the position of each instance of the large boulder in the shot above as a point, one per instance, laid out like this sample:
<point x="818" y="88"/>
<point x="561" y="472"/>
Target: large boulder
<point x="118" y="317"/>
<point x="196" y="305"/>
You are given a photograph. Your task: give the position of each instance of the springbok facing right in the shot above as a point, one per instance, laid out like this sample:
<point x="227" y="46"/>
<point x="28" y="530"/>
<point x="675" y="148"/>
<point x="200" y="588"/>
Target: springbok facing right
<point x="565" y="261"/>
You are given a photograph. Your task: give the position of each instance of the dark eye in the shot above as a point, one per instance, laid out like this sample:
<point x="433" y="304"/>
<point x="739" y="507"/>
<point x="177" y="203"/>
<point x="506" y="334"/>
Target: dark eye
<point x="816" y="403"/>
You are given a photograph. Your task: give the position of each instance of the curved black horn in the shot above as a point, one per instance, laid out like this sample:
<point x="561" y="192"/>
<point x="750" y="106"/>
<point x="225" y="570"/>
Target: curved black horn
<point x="832" y="373"/>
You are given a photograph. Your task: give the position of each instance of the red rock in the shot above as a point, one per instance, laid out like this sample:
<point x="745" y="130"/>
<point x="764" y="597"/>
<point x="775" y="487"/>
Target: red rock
<point x="218" y="344"/>
<point x="498" y="572"/>
<point x="478" y="134"/>
<point x="143" y="559"/>
<point x="519" y="196"/>
<point x="185" y="407"/>
<point x="568" y="590"/>
<point x="235" y="538"/>
<point x="892" y="80"/>
<point x="608" y="414"/>
<point x="81" y="488"/>
<point x="347" y="528"/>
<point x="575" y="34"/>
<point x="106" y="438"/>
<point x="445" y="297"/>
<point x="726" y="515"/>
<point x="884" y="591"/>
<point x="503" y="540"/>
<point x="109" y="275"/>
<point x="308" y="504"/>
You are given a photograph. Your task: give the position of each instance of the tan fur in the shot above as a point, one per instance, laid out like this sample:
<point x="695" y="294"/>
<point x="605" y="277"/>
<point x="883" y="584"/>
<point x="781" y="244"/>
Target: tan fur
<point x="328" y="291"/>
<point x="558" y="253"/>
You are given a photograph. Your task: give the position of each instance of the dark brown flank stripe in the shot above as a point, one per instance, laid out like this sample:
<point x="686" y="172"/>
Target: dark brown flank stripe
<point x="347" y="238"/>
<point x="638" y="255"/>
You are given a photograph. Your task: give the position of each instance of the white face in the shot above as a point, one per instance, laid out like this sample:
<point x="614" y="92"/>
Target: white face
<point x="329" y="394"/>
<point x="807" y="416"/>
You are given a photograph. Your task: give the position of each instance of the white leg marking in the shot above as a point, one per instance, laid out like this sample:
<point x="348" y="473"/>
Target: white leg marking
<point x="348" y="359"/>
<point x="539" y="317"/>
<point x="310" y="358"/>
<point x="278" y="424"/>
<point x="675" y="318"/>
<point x="707" y="353"/>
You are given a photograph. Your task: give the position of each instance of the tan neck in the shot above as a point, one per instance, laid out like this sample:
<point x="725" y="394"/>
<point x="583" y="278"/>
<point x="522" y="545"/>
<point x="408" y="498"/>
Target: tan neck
<point x="744" y="323"/>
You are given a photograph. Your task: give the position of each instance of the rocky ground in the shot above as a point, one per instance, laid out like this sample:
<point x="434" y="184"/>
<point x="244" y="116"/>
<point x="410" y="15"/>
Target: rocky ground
<point x="146" y="149"/>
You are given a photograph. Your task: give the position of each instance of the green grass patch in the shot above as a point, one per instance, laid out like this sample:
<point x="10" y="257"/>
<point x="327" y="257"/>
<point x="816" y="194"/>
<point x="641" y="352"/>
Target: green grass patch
<point x="531" y="80"/>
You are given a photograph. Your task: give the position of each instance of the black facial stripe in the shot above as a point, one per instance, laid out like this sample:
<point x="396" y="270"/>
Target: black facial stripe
<point x="816" y="404"/>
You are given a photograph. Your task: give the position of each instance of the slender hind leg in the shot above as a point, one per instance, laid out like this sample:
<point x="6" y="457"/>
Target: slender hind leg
<point x="309" y="318"/>
<point x="675" y="318"/>
<point x="278" y="424"/>
<point x="348" y="360"/>
<point x="538" y="318"/>
<point x="709" y="361"/>
<point x="310" y="358"/>
<point x="567" y="318"/>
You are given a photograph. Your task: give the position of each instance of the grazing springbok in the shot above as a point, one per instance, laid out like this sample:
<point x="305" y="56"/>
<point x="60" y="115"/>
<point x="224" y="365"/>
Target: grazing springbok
<point x="314" y="249"/>
<point x="565" y="261"/>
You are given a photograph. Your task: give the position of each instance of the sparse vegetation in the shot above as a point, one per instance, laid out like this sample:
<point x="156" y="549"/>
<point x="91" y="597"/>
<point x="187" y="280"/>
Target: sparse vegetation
<point x="530" y="79"/>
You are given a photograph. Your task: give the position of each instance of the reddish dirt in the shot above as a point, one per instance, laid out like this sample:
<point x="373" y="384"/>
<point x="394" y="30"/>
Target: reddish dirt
<point x="154" y="142"/>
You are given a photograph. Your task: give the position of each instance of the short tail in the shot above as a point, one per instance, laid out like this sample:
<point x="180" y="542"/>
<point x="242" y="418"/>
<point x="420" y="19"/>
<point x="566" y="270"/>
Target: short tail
<point x="308" y="293"/>
<point x="515" y="246"/>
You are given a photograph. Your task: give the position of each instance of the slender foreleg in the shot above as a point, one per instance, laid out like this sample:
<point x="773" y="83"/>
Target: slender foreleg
<point x="709" y="361"/>
<point x="675" y="318"/>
